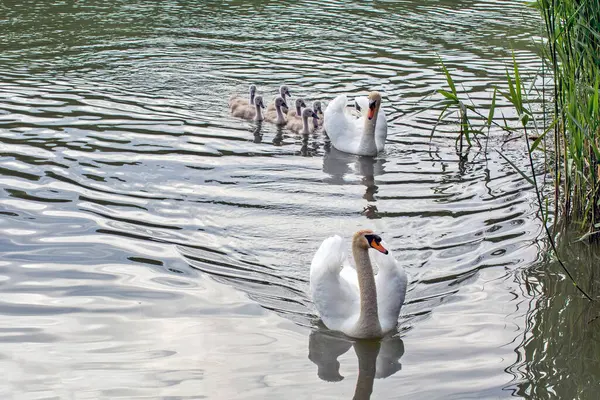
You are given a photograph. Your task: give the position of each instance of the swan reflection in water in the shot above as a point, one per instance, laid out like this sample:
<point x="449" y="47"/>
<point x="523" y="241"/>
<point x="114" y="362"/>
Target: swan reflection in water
<point x="377" y="359"/>
<point x="338" y="164"/>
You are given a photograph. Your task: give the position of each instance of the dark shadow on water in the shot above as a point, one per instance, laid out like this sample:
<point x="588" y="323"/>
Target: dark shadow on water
<point x="256" y="131"/>
<point x="377" y="359"/>
<point x="338" y="164"/>
<point x="310" y="145"/>
<point x="560" y="348"/>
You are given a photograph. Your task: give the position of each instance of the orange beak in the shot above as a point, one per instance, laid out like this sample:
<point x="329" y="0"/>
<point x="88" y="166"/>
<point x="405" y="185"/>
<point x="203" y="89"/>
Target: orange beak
<point x="378" y="247"/>
<point x="371" y="113"/>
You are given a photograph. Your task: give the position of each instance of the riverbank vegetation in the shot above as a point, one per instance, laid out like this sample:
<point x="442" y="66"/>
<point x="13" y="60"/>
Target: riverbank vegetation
<point x="567" y="131"/>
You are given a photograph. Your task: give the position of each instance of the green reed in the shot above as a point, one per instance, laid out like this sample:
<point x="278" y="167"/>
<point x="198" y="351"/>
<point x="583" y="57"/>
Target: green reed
<point x="571" y="51"/>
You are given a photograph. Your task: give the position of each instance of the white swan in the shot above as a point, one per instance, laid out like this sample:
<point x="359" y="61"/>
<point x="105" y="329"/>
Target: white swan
<point x="277" y="116"/>
<point x="237" y="101"/>
<point x="253" y="112"/>
<point x="301" y="125"/>
<point x="364" y="136"/>
<point x="356" y="302"/>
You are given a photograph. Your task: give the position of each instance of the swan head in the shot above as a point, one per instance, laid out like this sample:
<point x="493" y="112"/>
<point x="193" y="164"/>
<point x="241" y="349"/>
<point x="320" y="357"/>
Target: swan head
<point x="317" y="107"/>
<point x="280" y="103"/>
<point x="366" y="239"/>
<point x="284" y="91"/>
<point x="252" y="90"/>
<point x="308" y="113"/>
<point x="300" y="103"/>
<point x="258" y="101"/>
<point x="374" y="104"/>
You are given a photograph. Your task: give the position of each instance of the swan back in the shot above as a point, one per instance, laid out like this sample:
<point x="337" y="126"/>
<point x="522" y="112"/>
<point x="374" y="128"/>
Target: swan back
<point x="236" y="102"/>
<point x="250" y="111"/>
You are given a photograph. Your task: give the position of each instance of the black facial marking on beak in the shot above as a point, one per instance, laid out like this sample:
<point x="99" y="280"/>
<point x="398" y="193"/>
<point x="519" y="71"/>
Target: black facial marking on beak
<point x="372" y="104"/>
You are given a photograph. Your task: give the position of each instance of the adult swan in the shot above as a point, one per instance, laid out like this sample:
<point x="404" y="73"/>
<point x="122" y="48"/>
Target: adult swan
<point x="356" y="302"/>
<point x="365" y="135"/>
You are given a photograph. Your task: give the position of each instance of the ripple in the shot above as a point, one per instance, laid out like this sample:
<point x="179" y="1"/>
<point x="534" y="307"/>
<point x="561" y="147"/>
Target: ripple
<point x="155" y="246"/>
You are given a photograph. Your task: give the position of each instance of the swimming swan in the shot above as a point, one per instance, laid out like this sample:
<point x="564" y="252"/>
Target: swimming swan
<point x="253" y="112"/>
<point x="316" y="106"/>
<point x="283" y="92"/>
<point x="277" y="116"/>
<point x="296" y="112"/>
<point x="301" y="125"/>
<point x="364" y="136"/>
<point x="356" y="302"/>
<point x="238" y="101"/>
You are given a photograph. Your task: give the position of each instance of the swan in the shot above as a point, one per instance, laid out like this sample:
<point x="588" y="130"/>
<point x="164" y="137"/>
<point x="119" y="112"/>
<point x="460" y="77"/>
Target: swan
<point x="238" y="101"/>
<point x="317" y="108"/>
<point x="253" y="112"/>
<point x="297" y="112"/>
<point x="283" y="92"/>
<point x="301" y="125"/>
<point x="364" y="136"/>
<point x="277" y="116"/>
<point x="356" y="302"/>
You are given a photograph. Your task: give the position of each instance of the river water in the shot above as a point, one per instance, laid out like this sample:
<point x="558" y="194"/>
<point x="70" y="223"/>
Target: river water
<point x="155" y="247"/>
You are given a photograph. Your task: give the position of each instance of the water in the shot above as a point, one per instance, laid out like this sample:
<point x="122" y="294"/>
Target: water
<point x="154" y="247"/>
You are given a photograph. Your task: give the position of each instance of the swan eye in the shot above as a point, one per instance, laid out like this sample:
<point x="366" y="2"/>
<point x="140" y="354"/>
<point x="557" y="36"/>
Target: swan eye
<point x="375" y="242"/>
<point x="372" y="104"/>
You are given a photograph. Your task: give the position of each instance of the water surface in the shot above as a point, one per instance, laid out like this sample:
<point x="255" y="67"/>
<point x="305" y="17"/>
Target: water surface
<point x="155" y="247"/>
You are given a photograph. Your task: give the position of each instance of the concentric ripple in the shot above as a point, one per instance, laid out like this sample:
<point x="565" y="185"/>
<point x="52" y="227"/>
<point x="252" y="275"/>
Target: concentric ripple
<point x="154" y="246"/>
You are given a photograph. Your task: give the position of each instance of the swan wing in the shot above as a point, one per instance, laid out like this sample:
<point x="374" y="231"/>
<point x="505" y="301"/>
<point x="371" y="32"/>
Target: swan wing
<point x="335" y="296"/>
<point x="343" y="129"/>
<point x="237" y="101"/>
<point x="391" y="283"/>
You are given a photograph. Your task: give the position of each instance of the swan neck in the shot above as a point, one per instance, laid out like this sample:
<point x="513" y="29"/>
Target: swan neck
<point x="305" y="128"/>
<point x="259" y="116"/>
<point x="298" y="111"/>
<point x="370" y="124"/>
<point x="280" y="117"/>
<point x="251" y="98"/>
<point x="368" y="322"/>
<point x="315" y="123"/>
